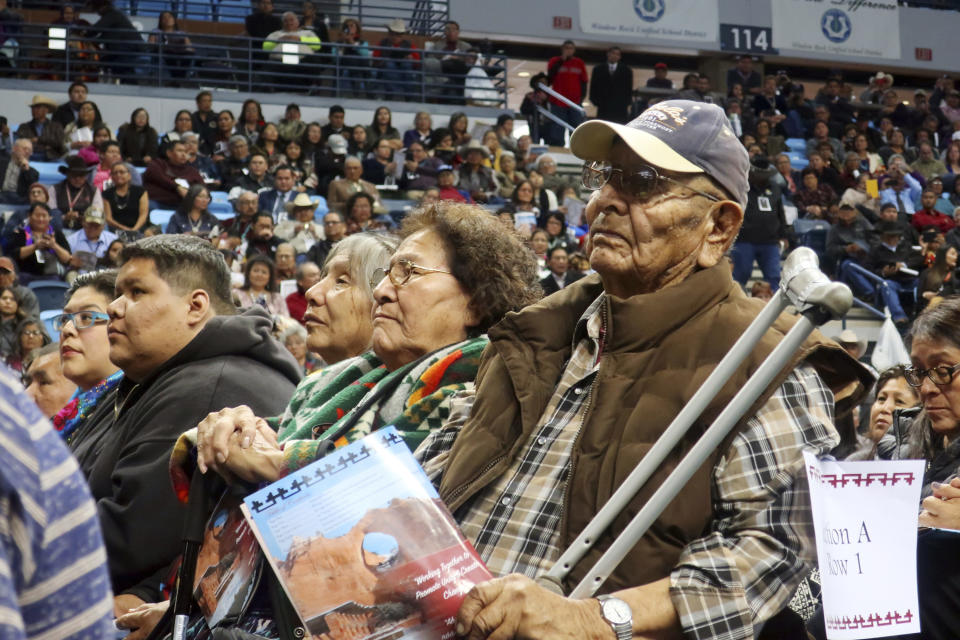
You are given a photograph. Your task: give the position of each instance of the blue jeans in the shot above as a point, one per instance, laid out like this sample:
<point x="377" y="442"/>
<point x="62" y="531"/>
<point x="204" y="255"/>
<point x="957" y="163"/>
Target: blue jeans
<point x="890" y="290"/>
<point x="553" y="133"/>
<point x="766" y="255"/>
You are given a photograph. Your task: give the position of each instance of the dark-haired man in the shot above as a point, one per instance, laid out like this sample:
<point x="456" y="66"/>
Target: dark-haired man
<point x="67" y="112"/>
<point x="335" y="124"/>
<point x="611" y="87"/>
<point x="560" y="274"/>
<point x="168" y="179"/>
<point x="275" y="200"/>
<point x="185" y="352"/>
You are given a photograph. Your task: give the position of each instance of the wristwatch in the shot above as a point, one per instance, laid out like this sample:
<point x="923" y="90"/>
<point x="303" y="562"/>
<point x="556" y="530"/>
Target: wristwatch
<point x="618" y="615"/>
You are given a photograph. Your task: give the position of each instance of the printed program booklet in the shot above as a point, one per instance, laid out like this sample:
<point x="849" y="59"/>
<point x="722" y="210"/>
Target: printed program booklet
<point x="363" y="545"/>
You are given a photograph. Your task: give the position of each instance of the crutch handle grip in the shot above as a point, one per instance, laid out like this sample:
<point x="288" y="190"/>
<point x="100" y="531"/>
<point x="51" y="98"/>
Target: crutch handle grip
<point x="806" y="286"/>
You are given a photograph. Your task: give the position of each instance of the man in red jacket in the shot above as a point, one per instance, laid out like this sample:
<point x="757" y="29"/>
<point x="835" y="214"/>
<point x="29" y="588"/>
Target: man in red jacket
<point x="568" y="77"/>
<point x="928" y="216"/>
<point x="167" y="179"/>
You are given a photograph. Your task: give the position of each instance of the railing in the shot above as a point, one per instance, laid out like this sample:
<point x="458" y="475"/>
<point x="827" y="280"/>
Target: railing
<point x="423" y="17"/>
<point x="58" y="52"/>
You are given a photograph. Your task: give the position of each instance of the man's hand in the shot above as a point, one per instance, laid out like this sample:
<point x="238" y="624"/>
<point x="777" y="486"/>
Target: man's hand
<point x="71" y="215"/>
<point x="854" y="249"/>
<point x="517" y="607"/>
<point x="141" y="620"/>
<point x="181" y="190"/>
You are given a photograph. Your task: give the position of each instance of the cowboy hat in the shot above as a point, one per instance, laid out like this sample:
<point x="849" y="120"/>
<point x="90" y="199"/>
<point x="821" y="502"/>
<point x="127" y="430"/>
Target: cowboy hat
<point x="397" y="26"/>
<point x="473" y="145"/>
<point x="43" y="100"/>
<point x="75" y="166"/>
<point x="302" y="201"/>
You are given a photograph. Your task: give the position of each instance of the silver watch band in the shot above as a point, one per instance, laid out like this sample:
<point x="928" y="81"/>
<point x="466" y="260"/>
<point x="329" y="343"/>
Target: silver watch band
<point x="618" y="615"/>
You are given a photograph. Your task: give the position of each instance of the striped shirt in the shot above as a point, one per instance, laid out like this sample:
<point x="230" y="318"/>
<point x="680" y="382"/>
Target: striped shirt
<point x="760" y="542"/>
<point x="53" y="577"/>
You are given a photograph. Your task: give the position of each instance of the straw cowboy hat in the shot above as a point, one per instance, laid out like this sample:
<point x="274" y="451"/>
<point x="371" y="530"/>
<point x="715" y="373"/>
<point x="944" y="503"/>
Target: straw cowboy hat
<point x="43" y="100"/>
<point x="397" y="26"/>
<point x="302" y="201"/>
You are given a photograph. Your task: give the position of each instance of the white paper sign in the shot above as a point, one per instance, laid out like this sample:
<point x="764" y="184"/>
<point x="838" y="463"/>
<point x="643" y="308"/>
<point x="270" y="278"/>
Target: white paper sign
<point x="692" y="20"/>
<point x="838" y="27"/>
<point x="865" y="517"/>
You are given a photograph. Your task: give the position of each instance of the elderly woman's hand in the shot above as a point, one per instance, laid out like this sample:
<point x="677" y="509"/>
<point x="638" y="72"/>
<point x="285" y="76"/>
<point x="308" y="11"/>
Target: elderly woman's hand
<point x="226" y="433"/>
<point x="942" y="509"/>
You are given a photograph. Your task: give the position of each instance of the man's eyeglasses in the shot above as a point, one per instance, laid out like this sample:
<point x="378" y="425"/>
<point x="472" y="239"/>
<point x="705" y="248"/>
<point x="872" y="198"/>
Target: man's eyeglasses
<point x="401" y="271"/>
<point x="638" y="185"/>
<point x="80" y="319"/>
<point x="940" y="376"/>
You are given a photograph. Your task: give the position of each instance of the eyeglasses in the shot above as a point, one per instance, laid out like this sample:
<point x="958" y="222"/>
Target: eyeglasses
<point x="940" y="376"/>
<point x="80" y="319"/>
<point x="401" y="271"/>
<point x="33" y="333"/>
<point x="638" y="185"/>
<point x="330" y="223"/>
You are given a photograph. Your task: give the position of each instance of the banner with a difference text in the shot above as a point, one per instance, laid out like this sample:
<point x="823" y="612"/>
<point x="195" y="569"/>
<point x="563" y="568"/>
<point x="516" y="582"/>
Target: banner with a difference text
<point x="860" y="28"/>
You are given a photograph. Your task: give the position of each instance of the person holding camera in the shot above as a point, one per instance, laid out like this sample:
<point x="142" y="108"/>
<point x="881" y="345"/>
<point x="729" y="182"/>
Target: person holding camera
<point x="40" y="251"/>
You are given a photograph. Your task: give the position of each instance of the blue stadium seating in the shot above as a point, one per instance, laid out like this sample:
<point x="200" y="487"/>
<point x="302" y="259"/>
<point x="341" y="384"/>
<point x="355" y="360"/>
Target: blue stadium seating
<point x="49" y="293"/>
<point x="47" y="318"/>
<point x="48" y="171"/>
<point x="161" y="217"/>
<point x="796" y="144"/>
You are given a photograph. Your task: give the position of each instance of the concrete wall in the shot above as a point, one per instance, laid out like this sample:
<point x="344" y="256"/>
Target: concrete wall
<point x="531" y="21"/>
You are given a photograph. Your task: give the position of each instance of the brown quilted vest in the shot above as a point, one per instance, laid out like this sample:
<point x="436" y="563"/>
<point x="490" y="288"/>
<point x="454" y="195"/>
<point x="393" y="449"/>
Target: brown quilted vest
<point x="659" y="348"/>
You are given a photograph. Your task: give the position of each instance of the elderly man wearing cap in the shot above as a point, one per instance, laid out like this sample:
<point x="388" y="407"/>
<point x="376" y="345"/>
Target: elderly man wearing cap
<point x="91" y="243"/>
<point x="472" y="176"/>
<point x="576" y="389"/>
<point x="47" y="136"/>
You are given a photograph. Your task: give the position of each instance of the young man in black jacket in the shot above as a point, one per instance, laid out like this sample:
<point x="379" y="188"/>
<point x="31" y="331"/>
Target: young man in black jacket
<point x="185" y="352"/>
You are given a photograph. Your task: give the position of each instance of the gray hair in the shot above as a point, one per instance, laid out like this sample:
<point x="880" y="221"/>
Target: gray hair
<point x="302" y="266"/>
<point x="368" y="251"/>
<point x="292" y="329"/>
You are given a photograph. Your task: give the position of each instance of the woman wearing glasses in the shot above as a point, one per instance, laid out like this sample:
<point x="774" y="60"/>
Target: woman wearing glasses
<point x="30" y="335"/>
<point x="931" y="432"/>
<point x="85" y="359"/>
<point x="457" y="271"/>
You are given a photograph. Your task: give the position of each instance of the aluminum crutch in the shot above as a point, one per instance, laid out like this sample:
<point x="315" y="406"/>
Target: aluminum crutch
<point x="817" y="299"/>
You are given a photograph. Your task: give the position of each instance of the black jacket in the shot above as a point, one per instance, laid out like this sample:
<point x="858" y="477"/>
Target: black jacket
<point x="767" y="225"/>
<point x="549" y="285"/>
<point x="234" y="360"/>
<point x="613" y="94"/>
<point x="27" y="177"/>
<point x="881" y="255"/>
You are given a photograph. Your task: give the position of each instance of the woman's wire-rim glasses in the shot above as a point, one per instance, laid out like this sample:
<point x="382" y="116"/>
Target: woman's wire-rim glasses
<point x="639" y="184"/>
<point x="401" y="271"/>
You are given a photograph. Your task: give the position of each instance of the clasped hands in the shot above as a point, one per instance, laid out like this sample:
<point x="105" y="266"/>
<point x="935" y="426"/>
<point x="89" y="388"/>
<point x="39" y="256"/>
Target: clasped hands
<point x="942" y="509"/>
<point x="238" y="445"/>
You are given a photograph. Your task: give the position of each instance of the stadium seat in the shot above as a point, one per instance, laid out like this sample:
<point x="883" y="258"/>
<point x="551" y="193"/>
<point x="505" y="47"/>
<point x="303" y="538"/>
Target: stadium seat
<point x="220" y="196"/>
<point x="49" y="293"/>
<point x="222" y="215"/>
<point x="48" y="172"/>
<point x="217" y="208"/>
<point x="161" y="217"/>
<point x="47" y="318"/>
<point x="796" y="144"/>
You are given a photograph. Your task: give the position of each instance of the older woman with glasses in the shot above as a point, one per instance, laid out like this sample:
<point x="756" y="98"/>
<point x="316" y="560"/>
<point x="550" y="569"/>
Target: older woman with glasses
<point x="457" y="271"/>
<point x="85" y="359"/>
<point x="930" y="432"/>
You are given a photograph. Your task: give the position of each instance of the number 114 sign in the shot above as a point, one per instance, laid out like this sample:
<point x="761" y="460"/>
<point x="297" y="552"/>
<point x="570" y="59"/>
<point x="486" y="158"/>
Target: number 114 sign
<point x="747" y="39"/>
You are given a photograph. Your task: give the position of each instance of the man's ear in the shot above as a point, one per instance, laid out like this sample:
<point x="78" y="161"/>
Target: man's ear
<point x="725" y="220"/>
<point x="200" y="307"/>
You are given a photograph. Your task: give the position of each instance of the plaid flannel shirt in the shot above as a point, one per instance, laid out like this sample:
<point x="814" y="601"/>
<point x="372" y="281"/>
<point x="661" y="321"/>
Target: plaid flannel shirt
<point x="761" y="537"/>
